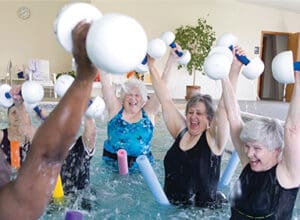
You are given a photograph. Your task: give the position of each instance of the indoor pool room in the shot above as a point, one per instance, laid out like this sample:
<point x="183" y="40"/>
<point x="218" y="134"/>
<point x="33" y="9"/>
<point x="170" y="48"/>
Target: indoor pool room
<point x="150" y="110"/>
<point x="113" y="196"/>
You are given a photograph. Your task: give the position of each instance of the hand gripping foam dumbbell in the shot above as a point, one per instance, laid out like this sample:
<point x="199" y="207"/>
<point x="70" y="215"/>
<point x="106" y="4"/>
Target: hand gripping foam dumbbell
<point x="96" y="107"/>
<point x="218" y="62"/>
<point x="115" y="42"/>
<point x="253" y="68"/>
<point x="283" y="67"/>
<point x="31" y="91"/>
<point x="156" y="49"/>
<point x="169" y="39"/>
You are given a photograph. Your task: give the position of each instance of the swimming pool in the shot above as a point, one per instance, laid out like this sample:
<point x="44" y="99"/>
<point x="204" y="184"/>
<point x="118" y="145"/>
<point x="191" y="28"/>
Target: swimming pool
<point x="112" y="196"/>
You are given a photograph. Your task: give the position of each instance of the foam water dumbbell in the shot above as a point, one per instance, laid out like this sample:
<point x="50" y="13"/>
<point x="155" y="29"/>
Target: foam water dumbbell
<point x="253" y="68"/>
<point x="218" y="62"/>
<point x="62" y="84"/>
<point x="184" y="55"/>
<point x="31" y="91"/>
<point x="283" y="67"/>
<point x="95" y="108"/>
<point x="115" y="42"/>
<point x="68" y="17"/>
<point x="156" y="49"/>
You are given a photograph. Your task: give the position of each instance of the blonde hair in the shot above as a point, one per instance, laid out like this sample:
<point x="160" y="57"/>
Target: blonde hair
<point x="134" y="83"/>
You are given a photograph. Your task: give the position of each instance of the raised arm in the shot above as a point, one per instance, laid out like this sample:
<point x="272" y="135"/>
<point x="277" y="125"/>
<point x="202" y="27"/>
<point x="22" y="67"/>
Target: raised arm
<point x="153" y="105"/>
<point x="29" y="194"/>
<point x="288" y="169"/>
<point x="89" y="134"/>
<point x="219" y="127"/>
<point x="111" y="101"/>
<point x="174" y="120"/>
<point x="233" y="109"/>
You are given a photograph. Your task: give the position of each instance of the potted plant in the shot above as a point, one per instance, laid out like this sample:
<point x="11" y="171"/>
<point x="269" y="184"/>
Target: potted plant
<point x="198" y="40"/>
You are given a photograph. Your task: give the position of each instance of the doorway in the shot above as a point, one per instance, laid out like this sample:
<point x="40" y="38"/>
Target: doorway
<point x="272" y="44"/>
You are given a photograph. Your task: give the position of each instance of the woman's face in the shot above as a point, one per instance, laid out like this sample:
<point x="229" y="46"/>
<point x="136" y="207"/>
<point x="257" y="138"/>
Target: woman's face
<point x="260" y="157"/>
<point x="13" y="119"/>
<point x="196" y="119"/>
<point x="133" y="101"/>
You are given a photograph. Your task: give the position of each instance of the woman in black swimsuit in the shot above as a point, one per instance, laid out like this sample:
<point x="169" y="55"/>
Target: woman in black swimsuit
<point x="270" y="155"/>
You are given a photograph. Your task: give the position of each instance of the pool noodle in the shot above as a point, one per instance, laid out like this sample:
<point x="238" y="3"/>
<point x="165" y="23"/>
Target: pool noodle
<point x="15" y="154"/>
<point x="122" y="161"/>
<point x="151" y="179"/>
<point x="73" y="215"/>
<point x="229" y="170"/>
<point x="58" y="193"/>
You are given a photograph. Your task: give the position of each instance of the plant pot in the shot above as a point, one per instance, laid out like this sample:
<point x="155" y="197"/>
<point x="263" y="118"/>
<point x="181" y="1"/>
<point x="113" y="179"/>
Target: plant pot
<point x="191" y="91"/>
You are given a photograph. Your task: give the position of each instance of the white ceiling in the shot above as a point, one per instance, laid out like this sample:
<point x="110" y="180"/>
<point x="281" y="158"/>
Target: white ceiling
<point x="290" y="5"/>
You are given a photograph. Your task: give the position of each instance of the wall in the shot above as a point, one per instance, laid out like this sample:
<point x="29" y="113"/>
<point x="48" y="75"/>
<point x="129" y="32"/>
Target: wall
<point x="34" y="38"/>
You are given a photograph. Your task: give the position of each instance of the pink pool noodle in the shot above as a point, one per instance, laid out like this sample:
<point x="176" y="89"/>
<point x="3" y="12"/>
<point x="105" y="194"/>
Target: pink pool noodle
<point x="122" y="162"/>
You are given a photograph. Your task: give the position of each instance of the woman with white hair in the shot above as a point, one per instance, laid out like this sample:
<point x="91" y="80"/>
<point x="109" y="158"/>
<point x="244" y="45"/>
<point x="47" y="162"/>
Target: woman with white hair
<point x="131" y="118"/>
<point x="270" y="155"/>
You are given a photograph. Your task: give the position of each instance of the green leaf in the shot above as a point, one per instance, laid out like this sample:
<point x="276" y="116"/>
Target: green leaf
<point x="198" y="39"/>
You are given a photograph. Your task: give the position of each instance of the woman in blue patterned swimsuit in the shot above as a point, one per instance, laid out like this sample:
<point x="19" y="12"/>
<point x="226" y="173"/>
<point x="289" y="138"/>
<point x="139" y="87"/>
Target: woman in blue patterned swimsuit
<point x="131" y="118"/>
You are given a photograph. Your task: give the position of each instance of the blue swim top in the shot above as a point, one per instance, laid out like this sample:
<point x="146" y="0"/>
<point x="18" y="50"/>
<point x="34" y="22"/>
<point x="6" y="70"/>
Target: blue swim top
<point x="135" y="138"/>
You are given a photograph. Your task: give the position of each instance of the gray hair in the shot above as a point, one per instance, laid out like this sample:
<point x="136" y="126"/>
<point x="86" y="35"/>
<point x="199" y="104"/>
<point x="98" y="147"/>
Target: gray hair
<point x="268" y="132"/>
<point x="206" y="100"/>
<point x="134" y="83"/>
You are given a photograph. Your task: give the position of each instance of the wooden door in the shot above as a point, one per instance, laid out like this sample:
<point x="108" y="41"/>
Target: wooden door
<point x="294" y="46"/>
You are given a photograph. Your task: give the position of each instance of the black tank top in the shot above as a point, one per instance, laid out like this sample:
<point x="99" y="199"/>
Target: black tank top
<point x="191" y="177"/>
<point x="5" y="146"/>
<point x="258" y="195"/>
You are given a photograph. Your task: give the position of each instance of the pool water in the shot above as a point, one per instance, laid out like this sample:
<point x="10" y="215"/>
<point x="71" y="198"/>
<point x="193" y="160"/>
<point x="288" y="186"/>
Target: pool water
<point x="111" y="196"/>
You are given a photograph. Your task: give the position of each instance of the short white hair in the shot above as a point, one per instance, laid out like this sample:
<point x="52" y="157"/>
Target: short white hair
<point x="268" y="132"/>
<point x="134" y="83"/>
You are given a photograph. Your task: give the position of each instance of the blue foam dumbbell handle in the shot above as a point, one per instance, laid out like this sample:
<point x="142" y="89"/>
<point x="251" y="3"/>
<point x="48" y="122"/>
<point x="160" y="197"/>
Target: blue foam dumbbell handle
<point x="38" y="111"/>
<point x="179" y="53"/>
<point x="145" y="60"/>
<point x="297" y="66"/>
<point x="244" y="60"/>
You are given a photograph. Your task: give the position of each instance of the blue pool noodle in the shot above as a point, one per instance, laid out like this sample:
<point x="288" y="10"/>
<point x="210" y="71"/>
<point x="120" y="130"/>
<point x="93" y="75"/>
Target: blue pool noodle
<point x="151" y="179"/>
<point x="229" y="170"/>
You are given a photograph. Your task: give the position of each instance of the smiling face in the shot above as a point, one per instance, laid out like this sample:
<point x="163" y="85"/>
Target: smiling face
<point x="260" y="157"/>
<point x="133" y="101"/>
<point x="196" y="118"/>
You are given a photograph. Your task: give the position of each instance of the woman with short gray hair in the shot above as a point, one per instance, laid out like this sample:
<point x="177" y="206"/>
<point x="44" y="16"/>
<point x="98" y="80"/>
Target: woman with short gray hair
<point x="270" y="155"/>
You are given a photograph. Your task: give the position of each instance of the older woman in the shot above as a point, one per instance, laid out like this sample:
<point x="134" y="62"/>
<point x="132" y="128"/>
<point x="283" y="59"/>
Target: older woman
<point x="19" y="129"/>
<point x="192" y="164"/>
<point x="131" y="118"/>
<point x="270" y="155"/>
